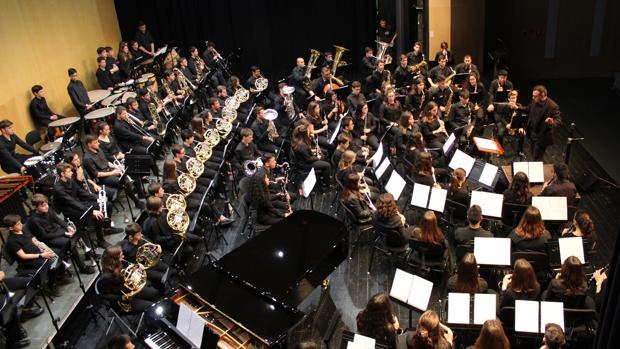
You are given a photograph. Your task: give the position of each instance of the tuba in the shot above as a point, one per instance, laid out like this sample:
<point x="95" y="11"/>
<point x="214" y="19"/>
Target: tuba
<point x="178" y="221"/>
<point x="251" y="166"/>
<point x="203" y="151"/>
<point x="134" y="280"/>
<point x="195" y="167"/>
<point x="382" y="52"/>
<point x="186" y="183"/>
<point x="148" y="255"/>
<point x="339" y="50"/>
<point x="314" y="55"/>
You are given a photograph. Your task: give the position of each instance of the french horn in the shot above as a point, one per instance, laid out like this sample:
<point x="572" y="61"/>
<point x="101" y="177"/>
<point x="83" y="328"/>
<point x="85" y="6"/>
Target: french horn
<point x="232" y="102"/>
<point x="229" y="114"/>
<point x="134" y="280"/>
<point x="148" y="255"/>
<point x="187" y="183"/>
<point x="203" y="151"/>
<point x="212" y="137"/>
<point x="176" y="203"/>
<point x="260" y="85"/>
<point x="195" y="167"/>
<point x="242" y="95"/>
<point x="178" y="221"/>
<point x="223" y="126"/>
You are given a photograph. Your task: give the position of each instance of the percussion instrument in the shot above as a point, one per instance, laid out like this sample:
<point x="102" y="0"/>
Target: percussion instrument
<point x="147" y="61"/>
<point x="141" y="82"/>
<point x="64" y="121"/>
<point x="35" y="166"/>
<point x="271" y="114"/>
<point x="96" y="96"/>
<point x="113" y="99"/>
<point x="50" y="146"/>
<point x="127" y="95"/>
<point x="287" y="90"/>
<point x="99" y="113"/>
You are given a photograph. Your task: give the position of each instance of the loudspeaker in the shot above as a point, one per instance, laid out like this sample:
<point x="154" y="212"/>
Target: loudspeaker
<point x="586" y="181"/>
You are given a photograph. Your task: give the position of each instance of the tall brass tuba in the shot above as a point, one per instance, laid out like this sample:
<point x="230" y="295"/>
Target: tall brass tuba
<point x="382" y="52"/>
<point x="339" y="50"/>
<point x="314" y="55"/>
<point x="134" y="280"/>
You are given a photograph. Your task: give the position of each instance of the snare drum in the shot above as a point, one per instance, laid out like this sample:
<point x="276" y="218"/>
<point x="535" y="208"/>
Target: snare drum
<point x="151" y="77"/>
<point x="35" y="167"/>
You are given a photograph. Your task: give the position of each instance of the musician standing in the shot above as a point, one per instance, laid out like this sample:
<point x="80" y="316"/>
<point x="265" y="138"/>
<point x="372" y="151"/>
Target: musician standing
<point x="368" y="62"/>
<point x="145" y="41"/>
<point x="542" y="114"/>
<point x="125" y="60"/>
<point x="10" y="161"/>
<point x="78" y="94"/>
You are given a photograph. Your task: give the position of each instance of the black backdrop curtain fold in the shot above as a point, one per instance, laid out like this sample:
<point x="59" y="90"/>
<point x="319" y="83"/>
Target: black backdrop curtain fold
<point x="272" y="33"/>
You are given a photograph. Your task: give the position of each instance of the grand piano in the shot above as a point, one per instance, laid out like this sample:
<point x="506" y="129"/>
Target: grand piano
<point x="249" y="298"/>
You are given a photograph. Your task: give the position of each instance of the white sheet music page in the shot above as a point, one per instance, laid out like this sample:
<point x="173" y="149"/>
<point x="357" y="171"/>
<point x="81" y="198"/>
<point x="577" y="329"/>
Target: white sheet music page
<point x="572" y="246"/>
<point x="552" y="208"/>
<point x="363" y="342"/>
<point x="420" y="293"/>
<point x="336" y="131"/>
<point x="521" y="166"/>
<point x="484" y="307"/>
<point x="377" y="156"/>
<point x="490" y="203"/>
<point x="196" y="329"/>
<point x="536" y="172"/>
<point x="309" y="183"/>
<point x="383" y="167"/>
<point x="462" y="160"/>
<point x="551" y="312"/>
<point x="419" y="196"/>
<point x="458" y="308"/>
<point x="486" y="143"/>
<point x="526" y="316"/>
<point x="488" y="174"/>
<point x="184" y="319"/>
<point x="395" y="185"/>
<point x="401" y="285"/>
<point x="438" y="199"/>
<point x="449" y="142"/>
<point x="492" y="251"/>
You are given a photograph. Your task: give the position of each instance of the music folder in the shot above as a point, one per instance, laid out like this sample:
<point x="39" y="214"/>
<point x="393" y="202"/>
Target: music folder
<point x="462" y="160"/>
<point x="572" y="246"/>
<point x="490" y="203"/>
<point x="552" y="208"/>
<point x="533" y="316"/>
<point x="309" y="183"/>
<point x="411" y="289"/>
<point x="449" y="146"/>
<point x="380" y="171"/>
<point x="190" y="324"/>
<point x="426" y="197"/>
<point x="492" y="251"/>
<point x="361" y="342"/>
<point x="377" y="156"/>
<point x="534" y="170"/>
<point x="488" y="145"/>
<point x="467" y="310"/>
<point x="488" y="174"/>
<point x="395" y="185"/>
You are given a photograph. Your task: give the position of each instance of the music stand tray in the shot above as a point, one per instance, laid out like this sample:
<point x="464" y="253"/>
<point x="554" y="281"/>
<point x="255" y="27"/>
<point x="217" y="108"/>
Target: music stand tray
<point x="139" y="165"/>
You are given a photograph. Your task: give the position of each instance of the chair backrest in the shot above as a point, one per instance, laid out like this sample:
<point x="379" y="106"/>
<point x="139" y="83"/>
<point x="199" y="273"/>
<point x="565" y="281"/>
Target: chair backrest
<point x="463" y="249"/>
<point x="33" y="137"/>
<point x="539" y="260"/>
<point x="576" y="317"/>
<point x="7" y="256"/>
<point x="350" y="218"/>
<point x="429" y="250"/>
<point x="512" y="213"/>
<point x="459" y="211"/>
<point x="507" y="315"/>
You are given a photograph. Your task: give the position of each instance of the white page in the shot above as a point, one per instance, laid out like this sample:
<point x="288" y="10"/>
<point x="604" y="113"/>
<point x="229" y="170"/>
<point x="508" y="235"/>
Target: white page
<point x="488" y="174"/>
<point x="458" y="308"/>
<point x="526" y="316"/>
<point x="196" y="329"/>
<point x="449" y="142"/>
<point x="395" y="185"/>
<point x="363" y="342"/>
<point x="420" y="293"/>
<point x="309" y="183"/>
<point x="552" y="208"/>
<point x="536" y="172"/>
<point x="382" y="168"/>
<point x="438" y="199"/>
<point x="490" y="203"/>
<point x="463" y="161"/>
<point x="521" y="167"/>
<point x="551" y="312"/>
<point x="377" y="156"/>
<point x="484" y="307"/>
<point x="184" y="319"/>
<point x="353" y="345"/>
<point x="485" y="143"/>
<point x="401" y="285"/>
<point x="335" y="134"/>
<point x="419" y="196"/>
<point x="492" y="251"/>
<point x="572" y="246"/>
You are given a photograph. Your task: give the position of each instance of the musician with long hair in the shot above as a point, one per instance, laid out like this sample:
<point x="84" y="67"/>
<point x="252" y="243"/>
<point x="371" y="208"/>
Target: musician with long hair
<point x="430" y="333"/>
<point x="377" y="320"/>
<point x="407" y="126"/>
<point x="388" y="220"/>
<point x="417" y="97"/>
<point x="492" y="336"/>
<point x="458" y="189"/>
<point x="521" y="284"/>
<point x="582" y="226"/>
<point x="434" y="135"/>
<point x="467" y="278"/>
<point x="308" y="156"/>
<point x="428" y="231"/>
<point x="366" y="126"/>
<point x="112" y="285"/>
<point x="530" y="233"/>
<point x="519" y="190"/>
<point x="354" y="199"/>
<point x="320" y="125"/>
<point x="266" y="212"/>
<point x="423" y="169"/>
<point x="125" y="60"/>
<point x="570" y="286"/>
<point x="390" y="110"/>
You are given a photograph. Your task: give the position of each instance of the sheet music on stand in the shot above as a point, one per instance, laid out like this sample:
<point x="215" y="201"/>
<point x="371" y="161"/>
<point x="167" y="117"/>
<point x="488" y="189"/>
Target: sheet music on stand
<point x="380" y="171"/>
<point x="534" y="170"/>
<point x="411" y="289"/>
<point x="552" y="208"/>
<point x="308" y="185"/>
<point x="462" y="160"/>
<point x="426" y="197"/>
<point x="490" y="203"/>
<point x="377" y="156"/>
<point x="488" y="145"/>
<point x="488" y="174"/>
<point x="467" y="310"/>
<point x="572" y="246"/>
<point x="458" y="308"/>
<point x="395" y="185"/>
<point x="533" y="316"/>
<point x="484" y="307"/>
<point x="190" y="324"/>
<point x="449" y="146"/>
<point x="336" y="131"/>
<point x="492" y="251"/>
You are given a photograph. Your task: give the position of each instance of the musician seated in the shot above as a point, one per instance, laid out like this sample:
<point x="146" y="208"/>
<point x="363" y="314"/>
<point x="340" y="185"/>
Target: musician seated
<point x="47" y="227"/>
<point x="41" y="113"/>
<point x="356" y="98"/>
<point x="466" y="66"/>
<point x="171" y="89"/>
<point x="130" y="246"/>
<point x="368" y="62"/>
<point x="442" y="94"/>
<point x="353" y="197"/>
<point x="522" y="284"/>
<point x="288" y="110"/>
<point x="530" y="234"/>
<point x="500" y="84"/>
<point x="441" y="69"/>
<point x="106" y="172"/>
<point x="320" y="127"/>
<point x="416" y="97"/>
<point x="24" y="249"/>
<point x="112" y="285"/>
<point x="402" y="76"/>
<point x="423" y="171"/>
<point x="306" y="157"/>
<point x="582" y="226"/>
<point x="503" y="116"/>
<point x="467" y="278"/>
<point x="390" y="111"/>
<point x="141" y="110"/>
<point x="348" y="164"/>
<point x="250" y="83"/>
<point x="211" y="165"/>
<point x="570" y="286"/>
<point x="246" y="150"/>
<point x="407" y="126"/>
<point x="415" y="146"/>
<point x="474" y="229"/>
<point x="342" y="144"/>
<point x="561" y="185"/>
<point x="389" y="221"/>
<point x="378" y="76"/>
<point x="280" y="197"/>
<point x="260" y="198"/>
<point x="462" y="118"/>
<point x="417" y="55"/>
<point x="267" y="137"/>
<point x="356" y="145"/>
<point x="377" y="320"/>
<point x="15" y="334"/>
<point x="180" y="158"/>
<point x="432" y="129"/>
<point x="519" y="190"/>
<point x="10" y="161"/>
<point x="73" y="201"/>
<point x="428" y="231"/>
<point x="324" y="83"/>
<point x="430" y="333"/>
<point x="332" y="110"/>
<point x="130" y="136"/>
<point x="366" y="126"/>
<point x="187" y="73"/>
<point x="458" y="189"/>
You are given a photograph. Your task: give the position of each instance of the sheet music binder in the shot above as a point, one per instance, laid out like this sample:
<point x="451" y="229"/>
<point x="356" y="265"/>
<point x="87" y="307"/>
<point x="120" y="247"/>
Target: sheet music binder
<point x="466" y="309"/>
<point x="411" y="289"/>
<point x="426" y="197"/>
<point x="533" y="316"/>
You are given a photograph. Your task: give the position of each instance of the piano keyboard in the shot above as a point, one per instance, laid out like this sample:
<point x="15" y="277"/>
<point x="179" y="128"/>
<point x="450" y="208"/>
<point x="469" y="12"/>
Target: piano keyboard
<point x="161" y="340"/>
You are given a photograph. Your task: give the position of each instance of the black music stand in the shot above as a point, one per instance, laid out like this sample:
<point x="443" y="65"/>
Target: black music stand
<point x="459" y="78"/>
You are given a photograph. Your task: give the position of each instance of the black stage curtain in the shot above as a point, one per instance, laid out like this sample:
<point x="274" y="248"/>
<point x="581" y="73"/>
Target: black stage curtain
<point x="272" y="33"/>
<point x="608" y="335"/>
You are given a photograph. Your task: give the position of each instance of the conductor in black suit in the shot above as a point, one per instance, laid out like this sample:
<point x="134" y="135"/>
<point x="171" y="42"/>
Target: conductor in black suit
<point x="542" y="114"/>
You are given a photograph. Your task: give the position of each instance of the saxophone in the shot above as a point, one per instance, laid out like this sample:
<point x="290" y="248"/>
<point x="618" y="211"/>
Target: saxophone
<point x="161" y="129"/>
<point x="169" y="92"/>
<point x="448" y="104"/>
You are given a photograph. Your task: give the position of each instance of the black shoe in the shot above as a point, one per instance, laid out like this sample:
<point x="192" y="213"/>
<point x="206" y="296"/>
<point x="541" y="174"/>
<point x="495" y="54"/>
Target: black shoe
<point x="226" y="222"/>
<point x="22" y="343"/>
<point x="87" y="269"/>
<point x="29" y="313"/>
<point x="103" y="244"/>
<point x="139" y="204"/>
<point x="52" y="291"/>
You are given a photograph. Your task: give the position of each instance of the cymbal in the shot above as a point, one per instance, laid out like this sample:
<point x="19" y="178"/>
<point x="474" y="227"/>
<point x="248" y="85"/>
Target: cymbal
<point x="146" y="61"/>
<point x="271" y="114"/>
<point x="98" y="95"/>
<point x="99" y="113"/>
<point x="50" y="146"/>
<point x="64" y="121"/>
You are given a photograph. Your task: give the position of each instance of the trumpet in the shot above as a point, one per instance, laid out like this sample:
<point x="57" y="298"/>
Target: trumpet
<point x="120" y="165"/>
<point x="102" y="200"/>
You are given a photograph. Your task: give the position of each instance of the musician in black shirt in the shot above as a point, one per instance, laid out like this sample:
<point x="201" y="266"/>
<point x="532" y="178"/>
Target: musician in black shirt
<point x="463" y="116"/>
<point x="246" y="150"/>
<point x="442" y="69"/>
<point x="377" y="78"/>
<point x="368" y="62"/>
<point x="104" y="77"/>
<point x="10" y="161"/>
<point x="319" y="84"/>
<point x="441" y="94"/>
<point x="145" y="41"/>
<point x="254" y="74"/>
<point x="402" y="77"/>
<point x="498" y="85"/>
<point x="128" y="135"/>
<point x="126" y="60"/>
<point x="416" y="56"/>
<point x="356" y="98"/>
<point x="466" y="67"/>
<point x="78" y="94"/>
<point x="543" y="114"/>
<point x="130" y="246"/>
<point x="40" y="112"/>
<point x="140" y="109"/>
<point x="444" y="52"/>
